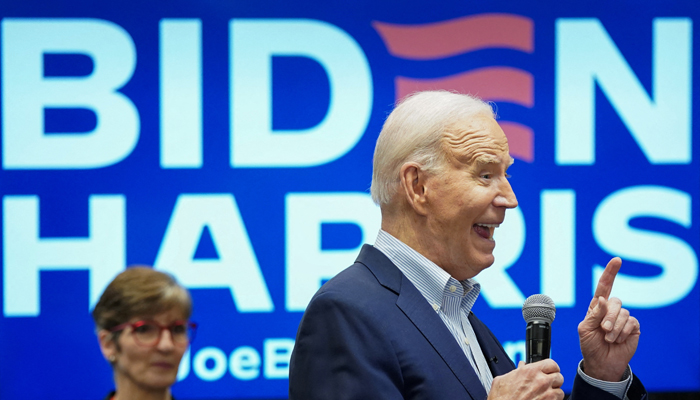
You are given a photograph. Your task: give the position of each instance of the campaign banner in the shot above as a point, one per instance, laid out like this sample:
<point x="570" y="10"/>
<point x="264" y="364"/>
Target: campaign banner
<point x="230" y="144"/>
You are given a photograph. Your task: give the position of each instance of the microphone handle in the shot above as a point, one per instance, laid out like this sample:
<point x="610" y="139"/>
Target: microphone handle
<point x="538" y="341"/>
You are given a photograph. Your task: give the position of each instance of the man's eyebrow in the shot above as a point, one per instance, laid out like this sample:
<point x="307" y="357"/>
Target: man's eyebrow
<point x="484" y="160"/>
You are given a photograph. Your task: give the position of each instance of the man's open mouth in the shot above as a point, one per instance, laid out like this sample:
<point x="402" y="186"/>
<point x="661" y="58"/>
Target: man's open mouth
<point x="486" y="230"/>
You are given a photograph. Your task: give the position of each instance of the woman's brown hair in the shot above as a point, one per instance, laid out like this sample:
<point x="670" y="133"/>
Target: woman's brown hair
<point x="140" y="291"/>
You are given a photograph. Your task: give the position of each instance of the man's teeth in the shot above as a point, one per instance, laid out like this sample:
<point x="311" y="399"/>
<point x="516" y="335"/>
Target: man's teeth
<point x="491" y="228"/>
<point x="490" y="225"/>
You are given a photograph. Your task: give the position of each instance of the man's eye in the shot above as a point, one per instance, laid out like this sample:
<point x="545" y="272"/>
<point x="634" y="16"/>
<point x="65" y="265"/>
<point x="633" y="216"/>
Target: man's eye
<point x="486" y="176"/>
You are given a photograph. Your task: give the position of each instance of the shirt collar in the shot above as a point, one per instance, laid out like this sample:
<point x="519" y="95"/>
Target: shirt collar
<point x="431" y="281"/>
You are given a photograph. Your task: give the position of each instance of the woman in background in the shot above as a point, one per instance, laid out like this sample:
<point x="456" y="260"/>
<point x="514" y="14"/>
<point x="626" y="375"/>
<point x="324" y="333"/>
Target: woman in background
<point x="143" y="328"/>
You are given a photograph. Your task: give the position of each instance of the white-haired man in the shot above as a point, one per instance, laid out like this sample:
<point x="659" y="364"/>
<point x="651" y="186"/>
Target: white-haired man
<point x="398" y="323"/>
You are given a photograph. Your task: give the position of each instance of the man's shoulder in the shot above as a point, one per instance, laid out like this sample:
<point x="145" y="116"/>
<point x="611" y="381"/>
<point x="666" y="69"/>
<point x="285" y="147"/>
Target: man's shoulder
<point x="356" y="277"/>
<point x="354" y="297"/>
<point x="362" y="281"/>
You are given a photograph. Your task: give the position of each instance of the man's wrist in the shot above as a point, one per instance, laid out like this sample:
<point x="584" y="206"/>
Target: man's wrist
<point x="603" y="374"/>
<point x="616" y="388"/>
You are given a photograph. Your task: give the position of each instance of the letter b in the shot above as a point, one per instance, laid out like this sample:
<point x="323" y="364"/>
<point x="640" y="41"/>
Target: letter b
<point x="26" y="92"/>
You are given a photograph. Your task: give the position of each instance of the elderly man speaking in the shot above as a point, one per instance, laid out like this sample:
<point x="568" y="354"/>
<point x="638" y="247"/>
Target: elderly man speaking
<point x="398" y="323"/>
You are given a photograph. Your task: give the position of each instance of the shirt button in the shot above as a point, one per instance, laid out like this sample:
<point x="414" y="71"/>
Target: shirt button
<point x="466" y="341"/>
<point x="453" y="288"/>
<point x="436" y="307"/>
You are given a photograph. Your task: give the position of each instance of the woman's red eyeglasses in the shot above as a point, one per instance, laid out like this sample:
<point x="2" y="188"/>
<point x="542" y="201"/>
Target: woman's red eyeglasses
<point x="148" y="333"/>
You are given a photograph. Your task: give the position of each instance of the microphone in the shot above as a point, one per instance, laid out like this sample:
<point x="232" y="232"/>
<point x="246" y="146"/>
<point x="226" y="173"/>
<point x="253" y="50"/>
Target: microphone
<point x="539" y="312"/>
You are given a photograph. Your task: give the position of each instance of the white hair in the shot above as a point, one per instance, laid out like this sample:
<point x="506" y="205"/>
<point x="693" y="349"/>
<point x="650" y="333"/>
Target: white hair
<point x="413" y="132"/>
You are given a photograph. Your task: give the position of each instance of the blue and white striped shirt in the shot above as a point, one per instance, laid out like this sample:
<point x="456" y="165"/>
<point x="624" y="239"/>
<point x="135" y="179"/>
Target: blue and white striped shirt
<point x="450" y="298"/>
<point x="453" y="301"/>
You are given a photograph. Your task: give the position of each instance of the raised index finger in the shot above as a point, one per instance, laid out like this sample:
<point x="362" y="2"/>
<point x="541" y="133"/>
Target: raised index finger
<point x="605" y="283"/>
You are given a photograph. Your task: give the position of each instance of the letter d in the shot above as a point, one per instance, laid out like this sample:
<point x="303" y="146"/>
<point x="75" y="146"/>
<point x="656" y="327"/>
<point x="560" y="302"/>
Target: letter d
<point x="254" y="143"/>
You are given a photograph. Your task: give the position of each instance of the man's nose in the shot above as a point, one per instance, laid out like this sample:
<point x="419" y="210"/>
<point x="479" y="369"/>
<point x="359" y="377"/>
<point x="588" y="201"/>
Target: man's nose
<point x="506" y="198"/>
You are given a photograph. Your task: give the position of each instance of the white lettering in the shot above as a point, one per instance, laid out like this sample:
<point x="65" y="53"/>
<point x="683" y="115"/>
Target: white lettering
<point x="558" y="246"/>
<point x="676" y="258"/>
<point x="181" y="93"/>
<point x="253" y="44"/>
<point x="307" y="264"/>
<point x="237" y="267"/>
<point x="26" y="93"/>
<point x="278" y="353"/>
<point x="244" y="363"/>
<point x="586" y="55"/>
<point x="25" y="254"/>
<point x="218" y="368"/>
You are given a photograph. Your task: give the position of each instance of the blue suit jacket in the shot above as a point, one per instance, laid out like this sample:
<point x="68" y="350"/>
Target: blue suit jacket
<point x="368" y="333"/>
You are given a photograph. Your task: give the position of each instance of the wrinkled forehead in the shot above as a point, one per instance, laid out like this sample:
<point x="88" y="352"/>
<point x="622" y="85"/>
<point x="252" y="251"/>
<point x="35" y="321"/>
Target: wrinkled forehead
<point x="477" y="141"/>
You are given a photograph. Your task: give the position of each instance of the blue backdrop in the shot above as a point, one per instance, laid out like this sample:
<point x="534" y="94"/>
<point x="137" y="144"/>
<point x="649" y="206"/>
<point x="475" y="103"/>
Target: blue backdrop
<point x="230" y="143"/>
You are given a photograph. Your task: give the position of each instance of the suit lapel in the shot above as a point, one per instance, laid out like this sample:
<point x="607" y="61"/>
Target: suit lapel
<point x="497" y="359"/>
<point x="426" y="320"/>
<point x="416" y="308"/>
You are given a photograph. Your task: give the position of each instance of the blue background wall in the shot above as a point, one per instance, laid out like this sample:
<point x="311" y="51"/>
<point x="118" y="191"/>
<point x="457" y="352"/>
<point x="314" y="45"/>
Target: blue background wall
<point x="230" y="143"/>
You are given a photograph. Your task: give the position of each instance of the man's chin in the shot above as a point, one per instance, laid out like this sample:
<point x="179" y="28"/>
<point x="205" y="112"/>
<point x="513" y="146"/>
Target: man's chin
<point x="474" y="266"/>
<point x="484" y="262"/>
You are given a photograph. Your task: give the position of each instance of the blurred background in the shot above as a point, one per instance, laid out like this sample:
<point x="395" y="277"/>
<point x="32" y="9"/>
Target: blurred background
<point x="230" y="143"/>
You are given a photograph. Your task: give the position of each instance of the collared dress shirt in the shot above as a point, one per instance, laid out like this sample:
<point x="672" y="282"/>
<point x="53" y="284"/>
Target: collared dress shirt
<point x="453" y="300"/>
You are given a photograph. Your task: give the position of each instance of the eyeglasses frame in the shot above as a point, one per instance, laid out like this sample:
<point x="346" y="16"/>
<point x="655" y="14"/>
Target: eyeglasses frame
<point x="192" y="326"/>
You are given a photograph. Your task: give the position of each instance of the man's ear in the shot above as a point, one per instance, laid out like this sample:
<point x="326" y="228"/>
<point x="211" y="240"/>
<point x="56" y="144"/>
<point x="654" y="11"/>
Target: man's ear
<point x="107" y="345"/>
<point x="413" y="182"/>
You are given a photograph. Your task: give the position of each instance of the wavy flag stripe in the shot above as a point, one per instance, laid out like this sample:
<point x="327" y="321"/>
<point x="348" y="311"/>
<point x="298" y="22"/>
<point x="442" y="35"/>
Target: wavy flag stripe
<point x="521" y="140"/>
<point x="449" y="38"/>
<point x="492" y="83"/>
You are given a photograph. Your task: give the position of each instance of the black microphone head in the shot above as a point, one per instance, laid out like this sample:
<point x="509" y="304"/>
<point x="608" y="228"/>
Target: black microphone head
<point x="539" y="307"/>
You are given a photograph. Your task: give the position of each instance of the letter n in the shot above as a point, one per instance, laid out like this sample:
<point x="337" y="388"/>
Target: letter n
<point x="659" y="123"/>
